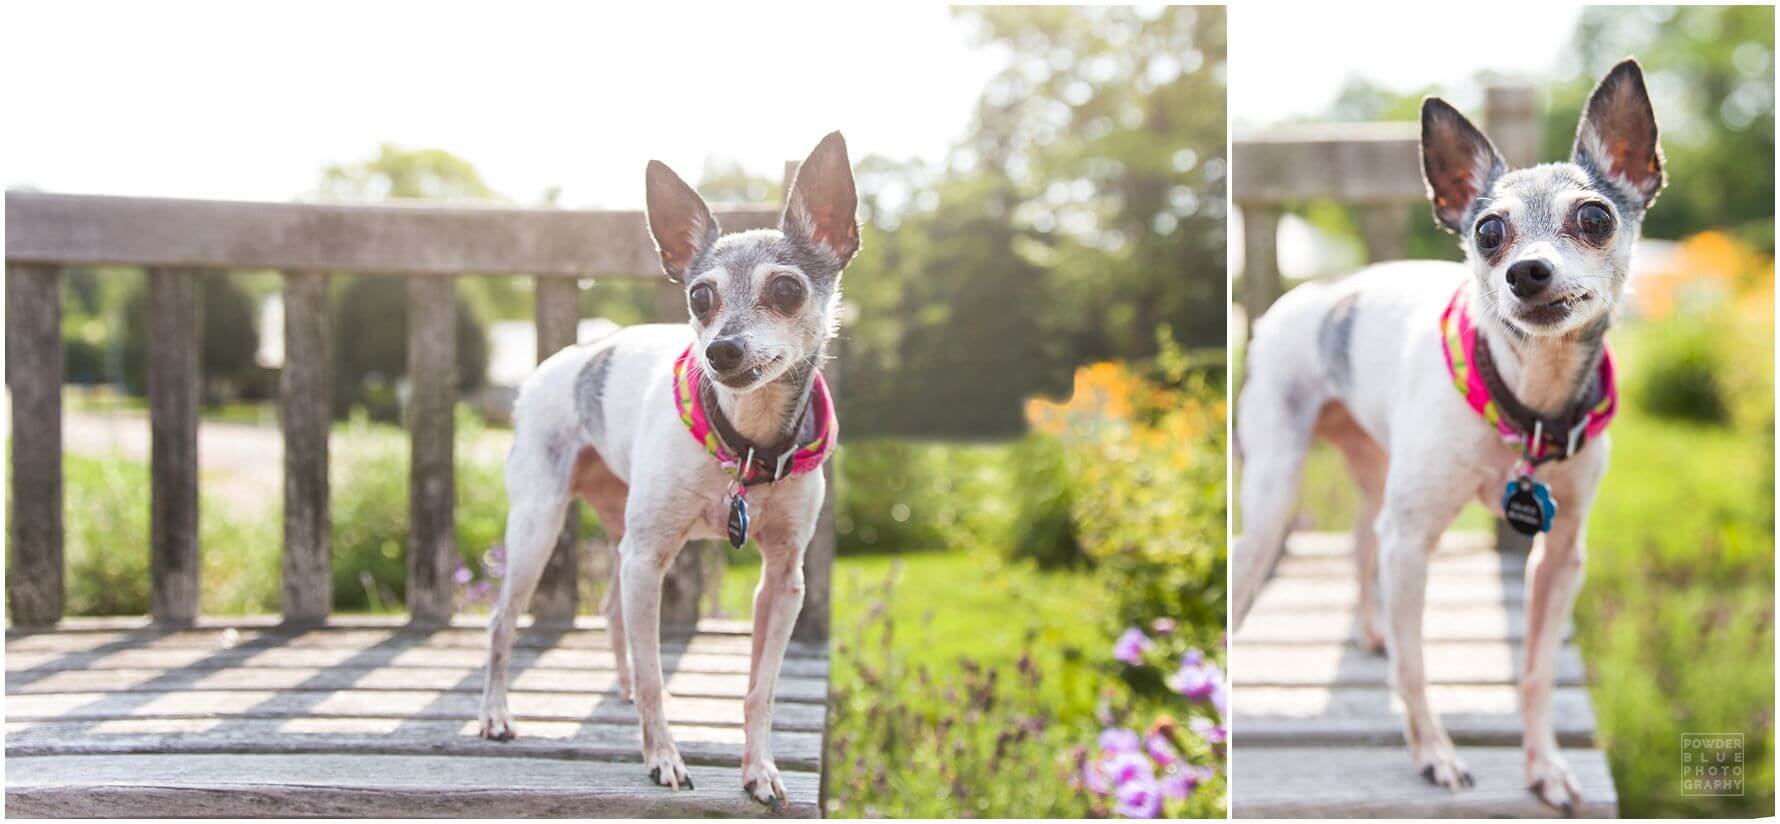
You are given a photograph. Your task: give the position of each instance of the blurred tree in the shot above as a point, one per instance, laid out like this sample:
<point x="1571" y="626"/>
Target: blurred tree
<point x="1711" y="75"/>
<point x="227" y="343"/>
<point x="371" y="346"/>
<point x="395" y="173"/>
<point x="726" y="181"/>
<point x="371" y="313"/>
<point x="1084" y="209"/>
<point x="1710" y="70"/>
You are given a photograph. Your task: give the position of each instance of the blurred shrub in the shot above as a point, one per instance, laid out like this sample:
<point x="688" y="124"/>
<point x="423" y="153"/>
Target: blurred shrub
<point x="227" y="342"/>
<point x="1684" y="371"/>
<point x="1705" y="353"/>
<point x="1045" y="495"/>
<point x="371" y="345"/>
<point x="370" y="511"/>
<point x="918" y="735"/>
<point x="106" y="546"/>
<point x="910" y="496"/>
<point x="1146" y="454"/>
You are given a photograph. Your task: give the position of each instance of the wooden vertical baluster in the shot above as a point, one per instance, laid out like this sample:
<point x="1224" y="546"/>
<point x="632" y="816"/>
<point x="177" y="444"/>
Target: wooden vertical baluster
<point x="818" y="560"/>
<point x="1385" y="229"/>
<point x="305" y="406"/>
<point x="1260" y="244"/>
<point x="432" y="377"/>
<point x="683" y="587"/>
<point x="557" y="597"/>
<point x="174" y="376"/>
<point x="34" y="588"/>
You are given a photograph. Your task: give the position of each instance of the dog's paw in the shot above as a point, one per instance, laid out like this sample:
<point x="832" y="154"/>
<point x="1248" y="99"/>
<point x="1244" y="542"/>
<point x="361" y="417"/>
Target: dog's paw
<point x="1550" y="779"/>
<point x="496" y="723"/>
<point x="1441" y="766"/>
<point x="760" y="780"/>
<point x="665" y="766"/>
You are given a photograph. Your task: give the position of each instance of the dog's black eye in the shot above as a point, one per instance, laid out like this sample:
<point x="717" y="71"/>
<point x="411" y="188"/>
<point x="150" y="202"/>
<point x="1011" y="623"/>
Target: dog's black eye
<point x="1595" y="220"/>
<point x="785" y="294"/>
<point x="1489" y="234"/>
<point x="701" y="298"/>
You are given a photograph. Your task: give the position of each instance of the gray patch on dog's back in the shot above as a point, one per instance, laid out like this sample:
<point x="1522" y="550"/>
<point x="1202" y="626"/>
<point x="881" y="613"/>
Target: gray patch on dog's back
<point x="588" y="387"/>
<point x="1335" y="336"/>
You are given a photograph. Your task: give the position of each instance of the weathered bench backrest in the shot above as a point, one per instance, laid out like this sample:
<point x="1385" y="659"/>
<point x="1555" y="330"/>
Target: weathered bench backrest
<point x="177" y="239"/>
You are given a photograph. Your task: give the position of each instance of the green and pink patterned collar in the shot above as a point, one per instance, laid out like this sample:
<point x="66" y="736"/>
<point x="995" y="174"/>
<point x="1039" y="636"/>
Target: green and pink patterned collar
<point x="792" y="458"/>
<point x="1461" y="344"/>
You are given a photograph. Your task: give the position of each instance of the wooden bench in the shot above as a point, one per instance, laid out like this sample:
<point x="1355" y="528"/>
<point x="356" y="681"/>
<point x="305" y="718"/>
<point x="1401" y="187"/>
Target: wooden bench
<point x="1318" y="732"/>
<point x="308" y="713"/>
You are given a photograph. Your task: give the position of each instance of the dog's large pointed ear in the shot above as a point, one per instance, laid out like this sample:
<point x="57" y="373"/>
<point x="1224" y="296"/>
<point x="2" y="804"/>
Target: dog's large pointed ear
<point x="822" y="208"/>
<point x="1617" y="136"/>
<point x="1458" y="162"/>
<point x="678" y="219"/>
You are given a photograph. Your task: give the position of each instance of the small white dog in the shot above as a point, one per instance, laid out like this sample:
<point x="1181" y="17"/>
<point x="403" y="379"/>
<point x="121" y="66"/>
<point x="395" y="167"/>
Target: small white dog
<point x="686" y="432"/>
<point x="1443" y="382"/>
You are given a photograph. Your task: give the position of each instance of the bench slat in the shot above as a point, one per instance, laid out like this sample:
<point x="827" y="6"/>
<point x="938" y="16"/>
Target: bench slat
<point x="418" y="704"/>
<point x="373" y="641"/>
<point x="25" y="667"/>
<point x="395" y="239"/>
<point x="1339" y="782"/>
<point x="450" y="679"/>
<point x="1451" y="662"/>
<point x="700" y="744"/>
<point x="371" y="786"/>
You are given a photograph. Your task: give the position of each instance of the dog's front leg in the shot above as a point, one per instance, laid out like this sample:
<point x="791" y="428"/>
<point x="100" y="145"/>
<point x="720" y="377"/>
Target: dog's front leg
<point x="777" y="601"/>
<point x="646" y="553"/>
<point x="1554" y="575"/>
<point x="1419" y="504"/>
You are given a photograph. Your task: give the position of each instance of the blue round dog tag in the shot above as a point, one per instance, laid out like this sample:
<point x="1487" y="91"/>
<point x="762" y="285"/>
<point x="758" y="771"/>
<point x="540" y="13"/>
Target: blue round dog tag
<point x="738" y="521"/>
<point x="1527" y="506"/>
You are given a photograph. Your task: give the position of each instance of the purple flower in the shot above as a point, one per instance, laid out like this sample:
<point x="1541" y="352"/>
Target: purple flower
<point x="1162" y="626"/>
<point x="1211" y="731"/>
<point x="462" y="575"/>
<point x="1180" y="782"/>
<point x="1139" y="799"/>
<point x="1160" y="749"/>
<point x="1119" y="739"/>
<point x="1126" y="767"/>
<point x="1200" y="680"/>
<point x="1131" y="646"/>
<point x="1093" y="779"/>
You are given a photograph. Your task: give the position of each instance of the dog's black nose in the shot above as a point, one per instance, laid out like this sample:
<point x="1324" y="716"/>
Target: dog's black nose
<point x="724" y="354"/>
<point x="1529" y="277"/>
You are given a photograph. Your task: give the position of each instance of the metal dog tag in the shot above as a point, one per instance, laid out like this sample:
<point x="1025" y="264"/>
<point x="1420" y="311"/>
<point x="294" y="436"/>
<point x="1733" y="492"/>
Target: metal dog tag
<point x="738" y="521"/>
<point x="1527" y="506"/>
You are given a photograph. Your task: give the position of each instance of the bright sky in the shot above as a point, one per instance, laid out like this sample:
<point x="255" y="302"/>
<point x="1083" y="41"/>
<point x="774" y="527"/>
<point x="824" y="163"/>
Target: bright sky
<point x="249" y="101"/>
<point x="1294" y="63"/>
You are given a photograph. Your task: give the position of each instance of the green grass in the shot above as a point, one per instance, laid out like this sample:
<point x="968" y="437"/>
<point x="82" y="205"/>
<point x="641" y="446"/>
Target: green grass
<point x="1676" y="618"/>
<point x="974" y="605"/>
<point x="960" y="685"/>
<point x="105" y="399"/>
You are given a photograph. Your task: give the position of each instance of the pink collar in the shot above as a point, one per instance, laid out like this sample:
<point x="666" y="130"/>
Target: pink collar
<point x="1460" y="341"/>
<point x="800" y="458"/>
